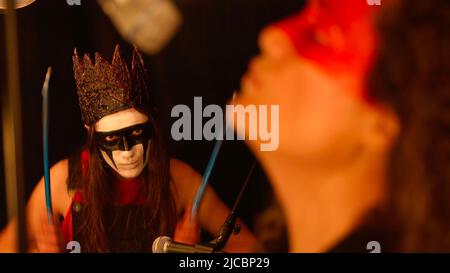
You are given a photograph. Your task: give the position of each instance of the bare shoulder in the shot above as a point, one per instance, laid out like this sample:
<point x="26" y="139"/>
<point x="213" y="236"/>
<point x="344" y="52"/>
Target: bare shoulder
<point x="58" y="176"/>
<point x="179" y="168"/>
<point x="60" y="196"/>
<point x="185" y="178"/>
<point x="59" y="172"/>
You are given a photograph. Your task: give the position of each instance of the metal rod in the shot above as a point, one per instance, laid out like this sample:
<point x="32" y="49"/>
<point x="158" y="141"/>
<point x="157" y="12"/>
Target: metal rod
<point x="229" y="226"/>
<point x="244" y="187"/>
<point x="12" y="131"/>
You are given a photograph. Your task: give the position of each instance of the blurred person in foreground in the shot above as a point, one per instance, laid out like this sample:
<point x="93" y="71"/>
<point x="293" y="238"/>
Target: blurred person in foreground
<point x="364" y="99"/>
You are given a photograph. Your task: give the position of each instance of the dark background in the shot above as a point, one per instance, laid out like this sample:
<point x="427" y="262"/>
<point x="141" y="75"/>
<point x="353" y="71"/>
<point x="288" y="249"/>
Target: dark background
<point x="206" y="58"/>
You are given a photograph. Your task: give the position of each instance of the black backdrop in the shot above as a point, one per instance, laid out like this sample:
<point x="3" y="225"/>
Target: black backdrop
<point x="206" y="58"/>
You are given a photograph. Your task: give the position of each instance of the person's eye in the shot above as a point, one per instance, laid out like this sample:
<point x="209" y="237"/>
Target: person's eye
<point x="111" y="138"/>
<point x="137" y="132"/>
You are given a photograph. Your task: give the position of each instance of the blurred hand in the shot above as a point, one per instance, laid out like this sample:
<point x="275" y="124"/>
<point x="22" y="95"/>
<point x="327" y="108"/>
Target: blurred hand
<point x="187" y="231"/>
<point x="49" y="237"/>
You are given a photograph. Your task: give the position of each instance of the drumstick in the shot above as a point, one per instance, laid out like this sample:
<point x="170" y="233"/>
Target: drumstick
<point x="205" y="178"/>
<point x="207" y="173"/>
<point x="45" y="118"/>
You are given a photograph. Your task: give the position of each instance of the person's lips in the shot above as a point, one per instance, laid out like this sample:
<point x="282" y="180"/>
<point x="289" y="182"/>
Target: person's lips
<point x="129" y="166"/>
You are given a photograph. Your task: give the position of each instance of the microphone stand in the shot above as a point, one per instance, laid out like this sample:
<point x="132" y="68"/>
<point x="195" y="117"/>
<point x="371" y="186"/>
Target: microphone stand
<point x="229" y="226"/>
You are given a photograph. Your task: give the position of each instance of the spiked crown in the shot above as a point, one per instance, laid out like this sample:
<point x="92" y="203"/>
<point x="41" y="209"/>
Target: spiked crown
<point x="105" y="88"/>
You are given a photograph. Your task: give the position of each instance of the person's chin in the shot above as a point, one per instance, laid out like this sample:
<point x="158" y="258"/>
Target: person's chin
<point x="129" y="174"/>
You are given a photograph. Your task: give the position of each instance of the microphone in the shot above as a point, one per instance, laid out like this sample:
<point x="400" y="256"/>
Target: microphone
<point x="149" y="24"/>
<point x="165" y="244"/>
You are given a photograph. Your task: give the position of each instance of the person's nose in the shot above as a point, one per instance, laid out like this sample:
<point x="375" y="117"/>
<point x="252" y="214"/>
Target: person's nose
<point x="127" y="155"/>
<point x="125" y="144"/>
<point x="275" y="44"/>
<point x="127" y="151"/>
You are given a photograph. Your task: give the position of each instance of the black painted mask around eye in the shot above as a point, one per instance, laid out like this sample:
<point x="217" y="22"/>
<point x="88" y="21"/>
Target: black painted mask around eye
<point x="124" y="139"/>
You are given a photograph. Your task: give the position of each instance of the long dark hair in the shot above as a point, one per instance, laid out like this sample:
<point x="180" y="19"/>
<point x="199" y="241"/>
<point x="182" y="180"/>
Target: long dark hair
<point x="159" y="212"/>
<point x="412" y="75"/>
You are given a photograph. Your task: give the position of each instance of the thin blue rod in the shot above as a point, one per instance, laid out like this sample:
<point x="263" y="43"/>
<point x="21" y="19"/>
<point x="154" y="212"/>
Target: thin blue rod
<point x="207" y="173"/>
<point x="205" y="179"/>
<point x="45" y="123"/>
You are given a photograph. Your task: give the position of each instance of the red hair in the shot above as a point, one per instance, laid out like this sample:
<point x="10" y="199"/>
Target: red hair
<point x="338" y="36"/>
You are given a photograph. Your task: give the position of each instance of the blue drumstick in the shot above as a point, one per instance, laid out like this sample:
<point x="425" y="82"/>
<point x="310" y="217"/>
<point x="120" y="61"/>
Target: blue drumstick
<point x="205" y="179"/>
<point x="45" y="118"/>
<point x="207" y="173"/>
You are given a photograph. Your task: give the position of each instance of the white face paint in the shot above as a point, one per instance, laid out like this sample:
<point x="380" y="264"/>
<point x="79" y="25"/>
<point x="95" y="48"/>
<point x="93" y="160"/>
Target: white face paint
<point x="131" y="163"/>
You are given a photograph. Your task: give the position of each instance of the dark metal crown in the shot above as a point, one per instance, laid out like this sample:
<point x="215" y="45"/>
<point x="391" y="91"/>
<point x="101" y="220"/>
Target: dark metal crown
<point x="104" y="88"/>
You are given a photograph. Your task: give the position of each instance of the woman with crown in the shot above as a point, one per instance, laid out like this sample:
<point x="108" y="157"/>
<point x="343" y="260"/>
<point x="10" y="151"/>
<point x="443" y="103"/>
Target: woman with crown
<point x="120" y="191"/>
